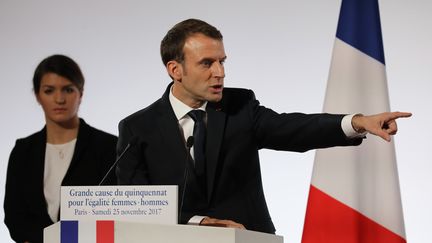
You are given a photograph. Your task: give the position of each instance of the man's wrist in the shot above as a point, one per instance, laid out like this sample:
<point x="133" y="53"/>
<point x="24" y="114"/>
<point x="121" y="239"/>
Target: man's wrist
<point x="355" y="126"/>
<point x="196" y="220"/>
<point x="351" y="129"/>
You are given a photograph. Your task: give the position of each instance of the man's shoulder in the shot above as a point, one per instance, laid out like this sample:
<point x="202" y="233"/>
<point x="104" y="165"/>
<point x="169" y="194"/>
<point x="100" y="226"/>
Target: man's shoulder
<point x="237" y="97"/>
<point x="146" y="113"/>
<point x="242" y="92"/>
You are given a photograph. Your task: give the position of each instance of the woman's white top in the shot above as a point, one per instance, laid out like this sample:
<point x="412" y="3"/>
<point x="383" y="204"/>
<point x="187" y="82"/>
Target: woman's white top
<point x="57" y="160"/>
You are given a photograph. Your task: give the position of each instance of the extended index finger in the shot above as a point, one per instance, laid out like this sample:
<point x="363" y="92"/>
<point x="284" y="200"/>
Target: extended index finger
<point x="399" y="114"/>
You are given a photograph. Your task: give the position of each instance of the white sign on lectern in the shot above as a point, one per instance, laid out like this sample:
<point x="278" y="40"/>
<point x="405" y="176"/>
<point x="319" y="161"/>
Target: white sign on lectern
<point x="147" y="204"/>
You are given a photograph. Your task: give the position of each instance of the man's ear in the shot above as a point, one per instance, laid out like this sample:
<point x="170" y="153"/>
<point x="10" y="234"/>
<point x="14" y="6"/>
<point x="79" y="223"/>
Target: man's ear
<point x="175" y="70"/>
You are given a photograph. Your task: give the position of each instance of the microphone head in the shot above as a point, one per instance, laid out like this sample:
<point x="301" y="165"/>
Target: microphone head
<point x="190" y="142"/>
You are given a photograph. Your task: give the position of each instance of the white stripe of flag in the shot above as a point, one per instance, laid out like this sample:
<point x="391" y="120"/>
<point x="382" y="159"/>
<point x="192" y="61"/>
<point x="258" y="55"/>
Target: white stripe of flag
<point x="362" y="181"/>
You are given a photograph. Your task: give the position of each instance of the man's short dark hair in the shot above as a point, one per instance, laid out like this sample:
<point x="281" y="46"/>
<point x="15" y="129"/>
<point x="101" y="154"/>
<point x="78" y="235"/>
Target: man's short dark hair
<point x="172" y="44"/>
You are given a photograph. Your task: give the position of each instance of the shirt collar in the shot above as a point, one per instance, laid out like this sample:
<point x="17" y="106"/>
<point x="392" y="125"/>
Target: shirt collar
<point x="180" y="108"/>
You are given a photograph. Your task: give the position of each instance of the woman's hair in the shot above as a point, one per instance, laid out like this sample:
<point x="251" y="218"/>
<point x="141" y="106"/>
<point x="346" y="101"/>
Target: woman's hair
<point x="61" y="65"/>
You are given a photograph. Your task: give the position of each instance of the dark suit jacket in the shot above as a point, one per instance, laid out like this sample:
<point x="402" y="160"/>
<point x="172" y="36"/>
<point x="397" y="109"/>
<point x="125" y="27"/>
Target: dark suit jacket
<point x="25" y="207"/>
<point x="237" y="127"/>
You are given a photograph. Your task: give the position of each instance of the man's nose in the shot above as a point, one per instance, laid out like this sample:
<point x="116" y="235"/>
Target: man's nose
<point x="218" y="70"/>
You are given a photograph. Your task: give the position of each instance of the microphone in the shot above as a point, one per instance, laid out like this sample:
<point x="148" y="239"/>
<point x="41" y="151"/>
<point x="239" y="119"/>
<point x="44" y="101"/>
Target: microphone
<point x="131" y="143"/>
<point x="189" y="144"/>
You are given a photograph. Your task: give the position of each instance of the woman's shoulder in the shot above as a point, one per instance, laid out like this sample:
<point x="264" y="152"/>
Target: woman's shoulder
<point x="32" y="138"/>
<point x="28" y="146"/>
<point x="96" y="133"/>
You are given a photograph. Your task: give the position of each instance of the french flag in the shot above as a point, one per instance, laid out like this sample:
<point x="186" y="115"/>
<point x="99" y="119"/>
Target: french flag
<point x="354" y="194"/>
<point x="101" y="231"/>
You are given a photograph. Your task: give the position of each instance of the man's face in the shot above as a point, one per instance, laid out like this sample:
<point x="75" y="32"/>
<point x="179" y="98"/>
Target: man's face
<point x="200" y="76"/>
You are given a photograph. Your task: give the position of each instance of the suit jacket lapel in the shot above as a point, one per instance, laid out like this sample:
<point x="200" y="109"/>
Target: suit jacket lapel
<point x="170" y="131"/>
<point x="175" y="140"/>
<point x="37" y="170"/>
<point x="215" y="130"/>
<point x="82" y="141"/>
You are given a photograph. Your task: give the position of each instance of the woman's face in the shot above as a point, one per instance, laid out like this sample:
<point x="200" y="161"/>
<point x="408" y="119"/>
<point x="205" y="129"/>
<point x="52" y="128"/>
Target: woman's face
<point x="59" y="98"/>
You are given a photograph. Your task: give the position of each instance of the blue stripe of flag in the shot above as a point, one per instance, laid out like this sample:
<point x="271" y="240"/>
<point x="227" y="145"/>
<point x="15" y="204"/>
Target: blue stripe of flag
<point x="69" y="232"/>
<point x="359" y="25"/>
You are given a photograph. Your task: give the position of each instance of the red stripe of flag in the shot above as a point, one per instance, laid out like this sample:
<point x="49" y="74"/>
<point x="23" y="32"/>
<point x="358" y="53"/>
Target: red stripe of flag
<point x="330" y="221"/>
<point x="105" y="231"/>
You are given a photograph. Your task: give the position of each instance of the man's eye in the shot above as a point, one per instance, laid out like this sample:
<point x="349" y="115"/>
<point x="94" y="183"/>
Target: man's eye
<point x="207" y="63"/>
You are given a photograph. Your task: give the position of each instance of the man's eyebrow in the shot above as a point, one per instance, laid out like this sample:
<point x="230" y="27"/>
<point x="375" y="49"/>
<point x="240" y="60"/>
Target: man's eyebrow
<point x="206" y="59"/>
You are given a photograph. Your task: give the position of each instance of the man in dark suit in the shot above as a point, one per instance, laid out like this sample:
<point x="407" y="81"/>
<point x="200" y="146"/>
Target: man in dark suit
<point x="223" y="183"/>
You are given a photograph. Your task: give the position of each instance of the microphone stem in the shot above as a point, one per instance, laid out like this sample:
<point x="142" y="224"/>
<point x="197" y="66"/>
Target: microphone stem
<point x="189" y="144"/>
<point x="114" y="164"/>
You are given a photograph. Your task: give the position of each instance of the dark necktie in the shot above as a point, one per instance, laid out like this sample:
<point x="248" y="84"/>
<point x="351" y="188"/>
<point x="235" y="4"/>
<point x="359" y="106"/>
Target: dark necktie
<point x="199" y="133"/>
